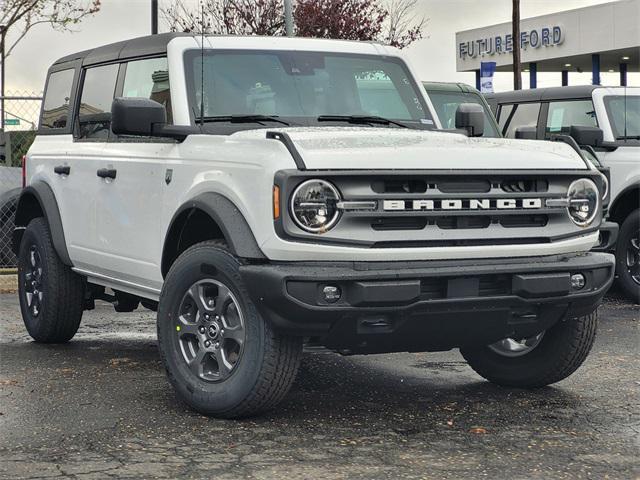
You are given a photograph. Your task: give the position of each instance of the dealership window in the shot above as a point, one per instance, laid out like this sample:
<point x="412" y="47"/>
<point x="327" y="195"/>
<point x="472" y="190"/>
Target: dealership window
<point x="55" y="111"/>
<point x="522" y="115"/>
<point x="94" y="112"/>
<point x="149" y="78"/>
<point x="562" y="115"/>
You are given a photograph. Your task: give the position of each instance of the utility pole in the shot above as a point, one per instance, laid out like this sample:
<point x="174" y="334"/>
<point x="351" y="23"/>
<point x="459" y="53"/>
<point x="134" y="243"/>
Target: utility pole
<point x="154" y="17"/>
<point x="288" y="18"/>
<point x="515" y="36"/>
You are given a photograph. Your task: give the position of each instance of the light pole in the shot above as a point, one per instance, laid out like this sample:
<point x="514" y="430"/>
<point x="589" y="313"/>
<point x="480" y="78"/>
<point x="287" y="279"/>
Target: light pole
<point x="3" y="32"/>
<point x="515" y="35"/>
<point x="288" y="18"/>
<point x="154" y="17"/>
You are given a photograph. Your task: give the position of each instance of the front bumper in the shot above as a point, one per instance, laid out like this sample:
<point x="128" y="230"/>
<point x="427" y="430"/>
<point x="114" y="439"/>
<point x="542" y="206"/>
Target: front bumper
<point x="421" y="306"/>
<point x="608" y="237"/>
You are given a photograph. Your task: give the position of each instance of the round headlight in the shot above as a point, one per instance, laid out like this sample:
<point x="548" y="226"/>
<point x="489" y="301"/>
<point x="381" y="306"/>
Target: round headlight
<point x="605" y="183"/>
<point x="584" y="200"/>
<point x="314" y="206"/>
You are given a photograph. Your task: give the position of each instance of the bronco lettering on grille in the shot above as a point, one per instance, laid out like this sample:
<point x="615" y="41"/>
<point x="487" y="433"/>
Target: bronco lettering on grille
<point x="464" y="204"/>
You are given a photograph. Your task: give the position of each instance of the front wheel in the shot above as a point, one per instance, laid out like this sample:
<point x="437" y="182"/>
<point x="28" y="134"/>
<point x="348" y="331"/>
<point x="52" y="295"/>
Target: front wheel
<point x="628" y="256"/>
<point x="540" y="360"/>
<point x="221" y="356"/>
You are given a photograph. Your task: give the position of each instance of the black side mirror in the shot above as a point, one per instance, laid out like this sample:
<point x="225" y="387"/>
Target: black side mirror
<point x="146" y="118"/>
<point x="526" y="133"/>
<point x="136" y="116"/>
<point x="470" y="117"/>
<point x="586" y="136"/>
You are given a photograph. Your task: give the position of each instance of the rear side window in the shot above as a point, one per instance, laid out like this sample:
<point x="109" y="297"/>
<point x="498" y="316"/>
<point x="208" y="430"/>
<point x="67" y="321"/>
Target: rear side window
<point x="94" y="113"/>
<point x="55" y="112"/>
<point x="149" y="79"/>
<point x="522" y="115"/>
<point x="562" y="115"/>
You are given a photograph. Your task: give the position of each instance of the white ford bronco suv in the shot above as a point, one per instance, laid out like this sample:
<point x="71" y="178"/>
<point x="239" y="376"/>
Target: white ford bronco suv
<point x="257" y="193"/>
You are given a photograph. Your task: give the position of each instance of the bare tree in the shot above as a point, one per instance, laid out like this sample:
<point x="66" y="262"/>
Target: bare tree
<point x="20" y="16"/>
<point x="403" y="26"/>
<point x="344" y="19"/>
<point x="390" y="21"/>
<point x="235" y="17"/>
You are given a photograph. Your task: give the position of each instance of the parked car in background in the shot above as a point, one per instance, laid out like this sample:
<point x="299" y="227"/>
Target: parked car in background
<point x="615" y="111"/>
<point x="448" y="96"/>
<point x="10" y="187"/>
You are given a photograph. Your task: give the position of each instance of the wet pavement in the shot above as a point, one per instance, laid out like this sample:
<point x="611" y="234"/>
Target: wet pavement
<point x="100" y="407"/>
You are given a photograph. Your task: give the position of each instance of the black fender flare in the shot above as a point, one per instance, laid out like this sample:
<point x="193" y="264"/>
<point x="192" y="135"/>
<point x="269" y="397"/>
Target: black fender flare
<point x="41" y="193"/>
<point x="614" y="206"/>
<point x="228" y="217"/>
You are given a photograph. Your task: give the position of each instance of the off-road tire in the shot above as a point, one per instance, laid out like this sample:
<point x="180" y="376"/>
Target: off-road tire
<point x="63" y="290"/>
<point x="563" y="348"/>
<point x="628" y="229"/>
<point x="269" y="363"/>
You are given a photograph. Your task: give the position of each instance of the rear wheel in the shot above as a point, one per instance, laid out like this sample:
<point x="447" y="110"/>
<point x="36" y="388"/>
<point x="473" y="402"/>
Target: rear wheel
<point x="51" y="294"/>
<point x="221" y="356"/>
<point x="540" y="360"/>
<point x="628" y="256"/>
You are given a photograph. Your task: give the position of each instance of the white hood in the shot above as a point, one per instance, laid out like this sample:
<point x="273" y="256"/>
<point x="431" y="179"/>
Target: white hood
<point x="388" y="148"/>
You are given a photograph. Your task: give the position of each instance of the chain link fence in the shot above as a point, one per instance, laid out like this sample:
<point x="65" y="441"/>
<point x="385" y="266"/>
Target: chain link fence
<point x="21" y="111"/>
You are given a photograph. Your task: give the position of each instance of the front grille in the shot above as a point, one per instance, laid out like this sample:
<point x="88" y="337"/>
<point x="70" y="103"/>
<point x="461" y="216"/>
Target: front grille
<point x="524" y="185"/>
<point x="444" y="209"/>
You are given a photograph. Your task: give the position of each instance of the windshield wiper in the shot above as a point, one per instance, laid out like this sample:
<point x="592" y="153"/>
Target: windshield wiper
<point x="360" y="120"/>
<point x="628" y="137"/>
<point x="251" y="118"/>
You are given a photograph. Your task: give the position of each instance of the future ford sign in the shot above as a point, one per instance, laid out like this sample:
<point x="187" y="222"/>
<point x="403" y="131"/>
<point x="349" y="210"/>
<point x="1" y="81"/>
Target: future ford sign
<point x="499" y="44"/>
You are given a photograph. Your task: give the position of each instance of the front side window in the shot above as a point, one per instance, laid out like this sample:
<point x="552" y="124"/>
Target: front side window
<point x="503" y="115"/>
<point x="563" y="115"/>
<point x="302" y="87"/>
<point x="149" y="79"/>
<point x="522" y="115"/>
<point x="55" y="111"/>
<point x="446" y="104"/>
<point x="624" y="116"/>
<point x="94" y="112"/>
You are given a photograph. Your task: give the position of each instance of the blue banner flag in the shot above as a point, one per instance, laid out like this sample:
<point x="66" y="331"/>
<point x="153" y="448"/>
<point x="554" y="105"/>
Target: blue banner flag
<point x="487" y="69"/>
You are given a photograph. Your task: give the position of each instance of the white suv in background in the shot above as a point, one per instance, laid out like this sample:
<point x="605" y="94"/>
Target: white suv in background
<point x="258" y="194"/>
<point x="613" y="115"/>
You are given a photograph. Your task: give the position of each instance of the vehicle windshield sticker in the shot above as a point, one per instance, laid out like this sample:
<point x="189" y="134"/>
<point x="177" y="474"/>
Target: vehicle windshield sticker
<point x="426" y="121"/>
<point x="555" y="125"/>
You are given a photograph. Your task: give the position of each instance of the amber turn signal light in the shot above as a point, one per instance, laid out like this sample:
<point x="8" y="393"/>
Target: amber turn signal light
<point x="276" y="202"/>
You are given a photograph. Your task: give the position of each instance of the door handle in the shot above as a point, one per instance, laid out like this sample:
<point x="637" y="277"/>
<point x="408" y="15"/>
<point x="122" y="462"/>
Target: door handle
<point x="62" y="169"/>
<point x="107" y="173"/>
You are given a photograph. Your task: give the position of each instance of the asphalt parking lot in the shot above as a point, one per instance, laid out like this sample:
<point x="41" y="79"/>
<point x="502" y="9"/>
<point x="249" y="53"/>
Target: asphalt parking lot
<point x="100" y="407"/>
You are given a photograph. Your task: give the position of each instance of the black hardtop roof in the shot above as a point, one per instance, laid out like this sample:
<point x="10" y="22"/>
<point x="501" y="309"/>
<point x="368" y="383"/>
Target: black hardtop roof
<point x="149" y="45"/>
<point x="135" y="47"/>
<point x="539" y="94"/>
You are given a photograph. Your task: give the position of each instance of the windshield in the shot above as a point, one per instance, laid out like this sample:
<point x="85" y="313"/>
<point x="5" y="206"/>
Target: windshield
<point x="446" y="104"/>
<point x="624" y="116"/>
<point x="299" y="87"/>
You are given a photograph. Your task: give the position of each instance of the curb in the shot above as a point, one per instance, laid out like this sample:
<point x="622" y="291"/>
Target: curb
<point x="8" y="283"/>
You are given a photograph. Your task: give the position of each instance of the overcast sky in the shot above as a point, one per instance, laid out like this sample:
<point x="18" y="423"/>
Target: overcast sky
<point x="433" y="56"/>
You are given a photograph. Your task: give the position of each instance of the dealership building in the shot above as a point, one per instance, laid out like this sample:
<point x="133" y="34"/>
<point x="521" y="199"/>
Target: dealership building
<point x="599" y="38"/>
